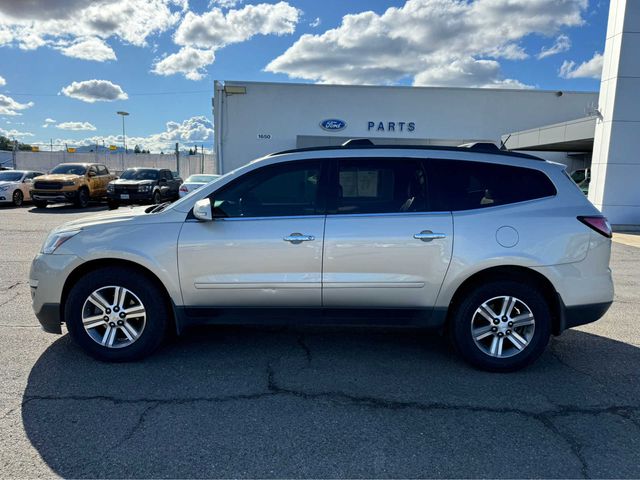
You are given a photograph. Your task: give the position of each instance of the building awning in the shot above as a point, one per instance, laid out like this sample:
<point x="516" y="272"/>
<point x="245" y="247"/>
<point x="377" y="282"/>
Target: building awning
<point x="572" y="136"/>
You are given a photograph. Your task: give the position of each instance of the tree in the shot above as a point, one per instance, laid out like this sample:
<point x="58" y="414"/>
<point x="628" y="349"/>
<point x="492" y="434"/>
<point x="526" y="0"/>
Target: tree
<point x="7" y="144"/>
<point x="136" y="149"/>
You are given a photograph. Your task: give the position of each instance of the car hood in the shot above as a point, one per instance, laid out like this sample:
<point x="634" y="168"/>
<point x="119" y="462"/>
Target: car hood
<point x="122" y="181"/>
<point x="120" y="215"/>
<point x="5" y="182"/>
<point x="58" y="177"/>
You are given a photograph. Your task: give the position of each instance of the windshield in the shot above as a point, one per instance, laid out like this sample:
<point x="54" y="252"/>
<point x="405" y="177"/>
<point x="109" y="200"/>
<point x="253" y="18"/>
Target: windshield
<point x="201" y="178"/>
<point x="135" y="174"/>
<point x="10" y="176"/>
<point x="70" y="169"/>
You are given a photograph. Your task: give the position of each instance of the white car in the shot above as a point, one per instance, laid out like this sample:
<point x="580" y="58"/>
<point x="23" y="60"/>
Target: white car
<point x="194" y="182"/>
<point x="15" y="185"/>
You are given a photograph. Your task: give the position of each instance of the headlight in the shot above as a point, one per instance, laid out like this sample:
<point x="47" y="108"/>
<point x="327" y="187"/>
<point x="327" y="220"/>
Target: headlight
<point x="54" y="240"/>
<point x="4" y="188"/>
<point x="68" y="184"/>
<point x="144" y="188"/>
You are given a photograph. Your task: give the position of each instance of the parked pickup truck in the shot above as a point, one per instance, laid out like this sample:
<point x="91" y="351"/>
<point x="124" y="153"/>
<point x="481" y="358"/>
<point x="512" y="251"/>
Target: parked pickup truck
<point x="72" y="183"/>
<point x="143" y="185"/>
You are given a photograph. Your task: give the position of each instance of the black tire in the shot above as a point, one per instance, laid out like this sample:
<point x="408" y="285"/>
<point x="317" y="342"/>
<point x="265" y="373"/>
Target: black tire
<point x="40" y="203"/>
<point x="18" y="198"/>
<point x="112" y="205"/>
<point x="463" y="315"/>
<point x="156" y="198"/>
<point x="157" y="320"/>
<point x="82" y="200"/>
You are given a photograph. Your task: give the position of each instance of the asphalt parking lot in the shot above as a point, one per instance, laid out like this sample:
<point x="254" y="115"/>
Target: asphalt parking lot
<point x="247" y="402"/>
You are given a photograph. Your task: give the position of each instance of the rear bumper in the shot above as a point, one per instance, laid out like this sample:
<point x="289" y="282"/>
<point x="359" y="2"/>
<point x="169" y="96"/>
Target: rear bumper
<point x="577" y="315"/>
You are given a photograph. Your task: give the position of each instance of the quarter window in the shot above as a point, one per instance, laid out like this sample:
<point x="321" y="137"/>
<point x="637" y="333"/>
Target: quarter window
<point x="390" y="185"/>
<point x="466" y="185"/>
<point x="290" y="189"/>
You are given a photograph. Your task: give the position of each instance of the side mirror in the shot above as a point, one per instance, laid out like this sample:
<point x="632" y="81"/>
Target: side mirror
<point x="202" y="210"/>
<point x="28" y="180"/>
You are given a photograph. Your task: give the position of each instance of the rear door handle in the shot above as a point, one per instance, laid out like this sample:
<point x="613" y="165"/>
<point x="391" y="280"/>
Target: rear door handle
<point x="428" y="235"/>
<point x="297" y="238"/>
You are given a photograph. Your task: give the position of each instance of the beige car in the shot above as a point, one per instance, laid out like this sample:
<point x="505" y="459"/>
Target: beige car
<point x="72" y="183"/>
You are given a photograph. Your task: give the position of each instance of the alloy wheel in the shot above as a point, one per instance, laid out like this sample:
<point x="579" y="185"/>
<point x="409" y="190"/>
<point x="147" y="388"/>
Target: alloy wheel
<point x="502" y="326"/>
<point x="18" y="197"/>
<point x="114" y="316"/>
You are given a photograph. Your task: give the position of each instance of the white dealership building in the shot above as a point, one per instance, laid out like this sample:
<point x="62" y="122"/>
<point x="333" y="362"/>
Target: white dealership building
<point x="581" y="129"/>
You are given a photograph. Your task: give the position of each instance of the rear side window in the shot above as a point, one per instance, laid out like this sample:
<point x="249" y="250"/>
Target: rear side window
<point x="466" y="185"/>
<point x="389" y="185"/>
<point x="102" y="170"/>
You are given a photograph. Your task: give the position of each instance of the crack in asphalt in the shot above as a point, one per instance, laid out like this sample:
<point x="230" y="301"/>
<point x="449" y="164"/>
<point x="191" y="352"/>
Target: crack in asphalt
<point x="307" y="351"/>
<point x="273" y="389"/>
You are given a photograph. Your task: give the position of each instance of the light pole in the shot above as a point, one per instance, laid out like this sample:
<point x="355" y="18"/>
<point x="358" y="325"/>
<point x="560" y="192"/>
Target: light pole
<point x="124" y="136"/>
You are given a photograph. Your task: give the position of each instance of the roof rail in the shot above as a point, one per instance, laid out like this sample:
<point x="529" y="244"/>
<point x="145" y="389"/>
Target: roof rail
<point x="359" y="144"/>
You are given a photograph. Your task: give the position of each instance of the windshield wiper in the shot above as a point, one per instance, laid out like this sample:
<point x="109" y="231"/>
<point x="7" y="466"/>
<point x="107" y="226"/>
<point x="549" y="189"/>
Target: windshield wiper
<point x="158" y="208"/>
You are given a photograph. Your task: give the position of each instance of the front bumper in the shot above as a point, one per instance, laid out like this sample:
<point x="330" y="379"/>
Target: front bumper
<point x="134" y="197"/>
<point x="55" y="197"/>
<point x="46" y="279"/>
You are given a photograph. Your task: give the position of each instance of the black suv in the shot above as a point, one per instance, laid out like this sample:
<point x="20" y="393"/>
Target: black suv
<point x="143" y="185"/>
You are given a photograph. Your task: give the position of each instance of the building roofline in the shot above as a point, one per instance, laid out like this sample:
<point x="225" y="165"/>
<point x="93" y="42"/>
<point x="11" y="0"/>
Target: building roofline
<point x="405" y="87"/>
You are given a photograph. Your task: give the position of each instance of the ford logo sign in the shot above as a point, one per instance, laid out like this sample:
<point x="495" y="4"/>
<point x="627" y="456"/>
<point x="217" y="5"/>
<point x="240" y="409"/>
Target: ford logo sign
<point x="333" y="124"/>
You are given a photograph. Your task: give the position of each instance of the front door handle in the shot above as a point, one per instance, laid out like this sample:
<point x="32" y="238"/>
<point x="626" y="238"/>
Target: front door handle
<point x="428" y="235"/>
<point x="297" y="238"/>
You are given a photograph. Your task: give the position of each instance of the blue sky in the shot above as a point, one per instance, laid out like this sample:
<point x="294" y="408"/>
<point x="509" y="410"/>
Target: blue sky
<point x="157" y="59"/>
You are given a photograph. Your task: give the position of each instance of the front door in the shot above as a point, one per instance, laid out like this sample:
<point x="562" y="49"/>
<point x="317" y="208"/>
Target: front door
<point x="383" y="248"/>
<point x="265" y="246"/>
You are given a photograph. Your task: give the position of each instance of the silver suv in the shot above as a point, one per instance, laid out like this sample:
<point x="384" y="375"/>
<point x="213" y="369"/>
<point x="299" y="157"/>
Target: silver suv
<point x="498" y="250"/>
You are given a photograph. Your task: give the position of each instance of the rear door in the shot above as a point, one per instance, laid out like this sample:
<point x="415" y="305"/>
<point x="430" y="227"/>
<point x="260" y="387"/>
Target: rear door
<point x="383" y="246"/>
<point x="265" y="246"/>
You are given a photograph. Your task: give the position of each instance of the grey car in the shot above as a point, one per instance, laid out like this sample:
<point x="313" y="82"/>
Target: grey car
<point x="496" y="250"/>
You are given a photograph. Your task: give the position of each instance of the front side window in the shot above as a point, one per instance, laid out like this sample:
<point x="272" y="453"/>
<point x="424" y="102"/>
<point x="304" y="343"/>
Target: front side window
<point x="389" y="185"/>
<point x="290" y="189"/>
<point x="466" y="185"/>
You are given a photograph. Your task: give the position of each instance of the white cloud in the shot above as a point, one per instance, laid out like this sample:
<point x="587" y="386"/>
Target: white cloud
<point x="75" y="126"/>
<point x="47" y="122"/>
<point x="36" y="23"/>
<point x="188" y="61"/>
<point x="225" y="3"/>
<point x="201" y="35"/>
<point x="190" y="132"/>
<point x="315" y="23"/>
<point x="2" y="81"/>
<point x="95" y="91"/>
<point x="8" y="106"/>
<point x="589" y="69"/>
<point x="89" y="49"/>
<point x="424" y="38"/>
<point x="14" y="133"/>
<point x="562" y="44"/>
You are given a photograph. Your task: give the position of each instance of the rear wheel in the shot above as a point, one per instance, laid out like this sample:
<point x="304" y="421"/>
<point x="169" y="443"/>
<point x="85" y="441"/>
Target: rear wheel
<point x="501" y="326"/>
<point x="40" y="203"/>
<point x="82" y="200"/>
<point x="18" y="198"/>
<point x="116" y="314"/>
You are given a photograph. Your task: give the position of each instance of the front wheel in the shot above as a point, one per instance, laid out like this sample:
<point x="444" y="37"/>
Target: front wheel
<point x="116" y="314"/>
<point x="18" y="198"/>
<point x="82" y="200"/>
<point x="501" y="326"/>
<point x="157" y="198"/>
<point x="40" y="203"/>
<point x="112" y="205"/>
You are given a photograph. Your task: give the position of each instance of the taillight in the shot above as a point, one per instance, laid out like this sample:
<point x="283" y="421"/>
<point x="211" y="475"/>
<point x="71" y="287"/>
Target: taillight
<point x="599" y="224"/>
<point x="184" y="189"/>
